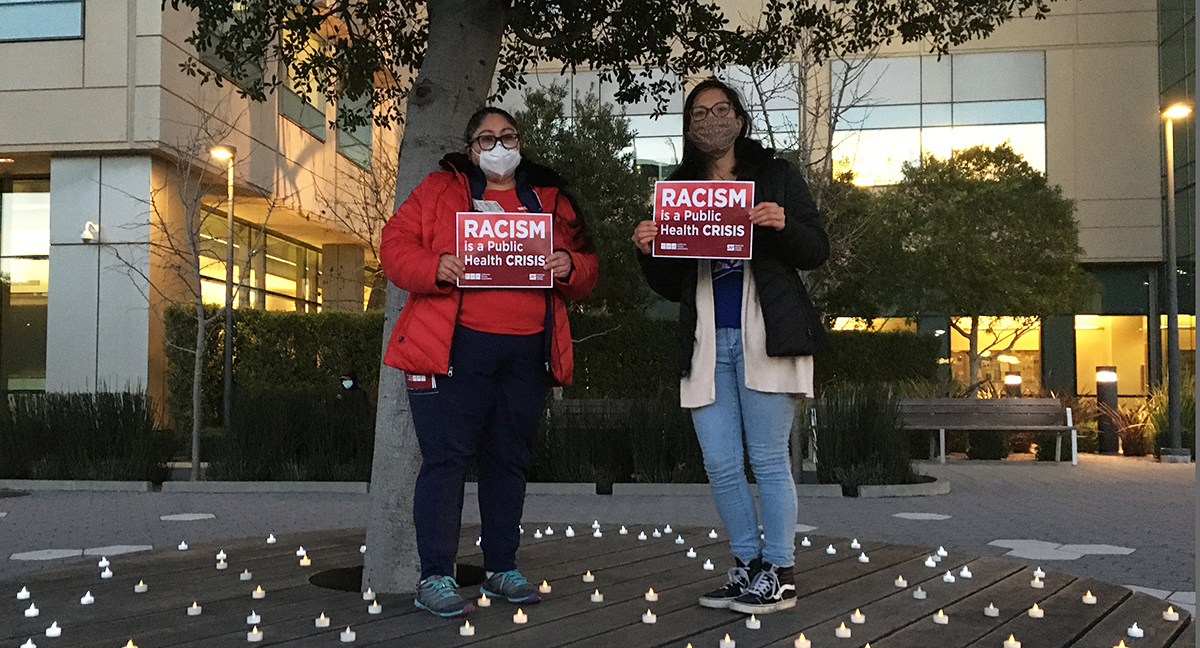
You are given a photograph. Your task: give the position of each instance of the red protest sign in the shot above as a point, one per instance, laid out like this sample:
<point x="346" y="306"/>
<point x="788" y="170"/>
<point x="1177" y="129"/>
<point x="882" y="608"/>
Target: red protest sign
<point x="504" y="250"/>
<point x="703" y="219"/>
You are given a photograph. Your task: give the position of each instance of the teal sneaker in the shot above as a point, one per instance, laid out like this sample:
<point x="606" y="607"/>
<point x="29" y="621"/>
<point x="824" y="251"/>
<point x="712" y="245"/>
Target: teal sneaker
<point x="510" y="585"/>
<point x="437" y="594"/>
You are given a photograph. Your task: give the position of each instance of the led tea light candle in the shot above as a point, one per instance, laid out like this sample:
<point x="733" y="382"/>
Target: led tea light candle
<point x="940" y="618"/>
<point x="858" y="618"/>
<point x="362" y="549"/>
<point x="1121" y="644"/>
<point x="678" y="540"/>
<point x="29" y="644"/>
<point x="87" y="599"/>
<point x="537" y="533"/>
<point x="1038" y="573"/>
<point x="183" y="546"/>
<point x="520" y="616"/>
<point x="656" y="534"/>
<point x="595" y="524"/>
<point x="246" y="575"/>
<point x="727" y="643"/>
<point x="1036" y="612"/>
<point x="941" y="553"/>
<point x="348" y="635"/>
<point x="830" y="550"/>
<point x="141" y="588"/>
<point x="549" y="530"/>
<point x="54" y="631"/>
<point x="544" y="588"/>
<point x="991" y="611"/>
<point x="900" y="582"/>
<point x="862" y="558"/>
<point x="301" y="552"/>
<point x="965" y="573"/>
<point x="842" y="632"/>
<point x="691" y="552"/>
<point x="570" y="532"/>
<point x="651" y="595"/>
<point x="667" y="529"/>
<point x="805" y="542"/>
<point x="103" y="563"/>
<point x="753" y="623"/>
<point x="1170" y="614"/>
<point x="305" y="561"/>
<point x="854" y="544"/>
<point x="479" y="541"/>
<point x="713" y="534"/>
<point x="801" y="642"/>
<point x="649" y="617"/>
<point x="32" y="611"/>
<point x="483" y="601"/>
<point x="948" y="578"/>
<point x="374" y="608"/>
<point x="254" y="618"/>
<point x="588" y="577"/>
<point x="1037" y="583"/>
<point x="642" y="535"/>
<point x="107" y="573"/>
<point x="597" y="534"/>
<point x="467" y="630"/>
<point x="23" y="595"/>
<point x="195" y="610"/>
<point x="254" y="636"/>
<point x="1089" y="598"/>
<point x="708" y="566"/>
<point x="368" y="595"/>
<point x="930" y="562"/>
<point x="321" y="621"/>
<point x="919" y="593"/>
<point x="130" y="644"/>
<point x="221" y="564"/>
<point x="271" y="539"/>
<point x="1012" y="642"/>
<point x="221" y="555"/>
<point x="597" y="597"/>
<point x="1135" y="632"/>
<point x="623" y="530"/>
<point x="258" y="593"/>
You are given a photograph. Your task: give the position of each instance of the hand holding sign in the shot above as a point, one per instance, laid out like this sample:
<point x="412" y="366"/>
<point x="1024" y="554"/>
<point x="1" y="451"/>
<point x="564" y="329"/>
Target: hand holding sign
<point x="768" y="214"/>
<point x="703" y="219"/>
<point x="507" y="250"/>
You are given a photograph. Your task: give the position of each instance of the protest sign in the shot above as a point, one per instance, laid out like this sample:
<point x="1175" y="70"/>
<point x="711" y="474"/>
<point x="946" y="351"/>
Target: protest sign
<point x="703" y="219"/>
<point x="505" y="250"/>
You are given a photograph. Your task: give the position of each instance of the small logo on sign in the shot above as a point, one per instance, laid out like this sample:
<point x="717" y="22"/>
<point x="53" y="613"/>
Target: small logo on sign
<point x="536" y="277"/>
<point x="733" y="247"/>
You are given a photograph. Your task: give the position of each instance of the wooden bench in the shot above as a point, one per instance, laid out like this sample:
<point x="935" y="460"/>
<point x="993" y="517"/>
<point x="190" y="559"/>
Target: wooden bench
<point x="995" y="414"/>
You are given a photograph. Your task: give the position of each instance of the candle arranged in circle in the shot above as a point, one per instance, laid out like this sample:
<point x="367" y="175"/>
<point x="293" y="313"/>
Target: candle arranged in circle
<point x="467" y="630"/>
<point x="597" y="597"/>
<point x="588" y="577"/>
<point x="649" y="617"/>
<point x="708" y="565"/>
<point x="713" y="534"/>
<point x="842" y="632"/>
<point x="246" y="575"/>
<point x="597" y="534"/>
<point x="727" y="643"/>
<point x="830" y="550"/>
<point x="254" y="635"/>
<point x="642" y="535"/>
<point x="520" y="616"/>
<point x="691" y="552"/>
<point x="753" y="623"/>
<point x="544" y="588"/>
<point x="54" y="630"/>
<point x="32" y="611"/>
<point x="1036" y="612"/>
<point x="651" y="595"/>
<point x="321" y="621"/>
<point x="801" y="642"/>
<point x="900" y="582"/>
<point x="948" y="578"/>
<point x="103" y="562"/>
<point x="368" y="595"/>
<point x="623" y="530"/>
<point x="930" y="562"/>
<point x="858" y="617"/>
<point x="991" y="611"/>
<point x="1170" y="614"/>
<point x="1135" y="632"/>
<point x="254" y="618"/>
<point x="107" y="573"/>
<point x="679" y="540"/>
<point x="483" y="601"/>
<point x="570" y="533"/>
<point x="805" y="542"/>
<point x="374" y="608"/>
<point x="195" y="610"/>
<point x="141" y="588"/>
<point x="919" y="593"/>
<point x="1011" y="642"/>
<point x="271" y="539"/>
<point x="221" y="555"/>
<point x="1037" y="583"/>
<point x="301" y="551"/>
<point x="1089" y="598"/>
<point x="862" y="558"/>
<point x="965" y="573"/>
<point x="1038" y="573"/>
<point x="347" y="635"/>
<point x="87" y="599"/>
<point x="23" y="594"/>
<point x="854" y="544"/>
<point x="305" y="561"/>
<point x="940" y="618"/>
<point x="221" y="564"/>
<point x="183" y="546"/>
<point x="258" y="593"/>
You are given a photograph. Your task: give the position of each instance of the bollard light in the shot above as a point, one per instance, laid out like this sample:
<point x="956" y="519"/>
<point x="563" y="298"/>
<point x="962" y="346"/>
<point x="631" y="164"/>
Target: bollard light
<point x="1012" y="384"/>
<point x="1106" y="394"/>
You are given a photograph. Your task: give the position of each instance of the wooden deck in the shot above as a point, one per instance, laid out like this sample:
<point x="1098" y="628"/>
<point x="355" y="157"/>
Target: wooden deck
<point x="830" y="589"/>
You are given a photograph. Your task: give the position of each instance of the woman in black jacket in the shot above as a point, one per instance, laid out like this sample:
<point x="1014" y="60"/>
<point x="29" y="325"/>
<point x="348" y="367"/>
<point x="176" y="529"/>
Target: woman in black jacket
<point x="747" y="332"/>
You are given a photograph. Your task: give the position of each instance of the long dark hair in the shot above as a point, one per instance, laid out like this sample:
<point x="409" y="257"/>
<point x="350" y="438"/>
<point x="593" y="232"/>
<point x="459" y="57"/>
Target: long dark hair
<point x="482" y="114"/>
<point x="694" y="164"/>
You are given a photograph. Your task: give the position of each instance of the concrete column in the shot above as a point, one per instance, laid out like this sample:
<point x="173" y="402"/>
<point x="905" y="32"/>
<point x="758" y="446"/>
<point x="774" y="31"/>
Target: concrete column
<point x="98" y="312"/>
<point x="342" y="270"/>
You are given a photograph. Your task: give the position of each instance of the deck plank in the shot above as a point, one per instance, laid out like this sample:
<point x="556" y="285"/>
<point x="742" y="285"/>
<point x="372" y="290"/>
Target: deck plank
<point x="1146" y="611"/>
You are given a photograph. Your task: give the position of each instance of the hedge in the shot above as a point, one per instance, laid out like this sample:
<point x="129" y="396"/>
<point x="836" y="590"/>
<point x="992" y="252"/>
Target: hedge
<point x="869" y="357"/>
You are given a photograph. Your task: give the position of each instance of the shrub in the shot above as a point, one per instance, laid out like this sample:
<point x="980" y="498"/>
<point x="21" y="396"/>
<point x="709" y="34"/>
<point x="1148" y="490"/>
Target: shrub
<point x="872" y="357"/>
<point x="1158" y="416"/>
<point x="860" y="439"/>
<point x="101" y="436"/>
<point x="987" y="445"/>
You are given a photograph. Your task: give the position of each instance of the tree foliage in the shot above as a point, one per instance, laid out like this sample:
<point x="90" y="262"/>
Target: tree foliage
<point x="374" y="47"/>
<point x="593" y="151"/>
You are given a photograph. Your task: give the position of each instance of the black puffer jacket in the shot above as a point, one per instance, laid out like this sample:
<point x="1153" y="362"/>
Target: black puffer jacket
<point x="794" y="327"/>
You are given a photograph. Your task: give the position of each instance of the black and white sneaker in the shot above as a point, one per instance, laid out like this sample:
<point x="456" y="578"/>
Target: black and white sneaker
<point x="737" y="581"/>
<point x="772" y="589"/>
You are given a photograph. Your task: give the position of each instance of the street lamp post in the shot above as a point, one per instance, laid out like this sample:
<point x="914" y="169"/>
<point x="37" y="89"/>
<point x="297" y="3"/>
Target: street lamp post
<point x="228" y="153"/>
<point x="1176" y="452"/>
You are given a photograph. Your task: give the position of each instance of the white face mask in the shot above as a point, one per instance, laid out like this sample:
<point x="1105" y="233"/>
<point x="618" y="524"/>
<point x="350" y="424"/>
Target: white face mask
<point x="347" y="384"/>
<point x="499" y="162"/>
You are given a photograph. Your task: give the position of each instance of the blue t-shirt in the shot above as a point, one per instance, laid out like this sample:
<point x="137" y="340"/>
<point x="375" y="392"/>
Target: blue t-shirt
<point x="727" y="292"/>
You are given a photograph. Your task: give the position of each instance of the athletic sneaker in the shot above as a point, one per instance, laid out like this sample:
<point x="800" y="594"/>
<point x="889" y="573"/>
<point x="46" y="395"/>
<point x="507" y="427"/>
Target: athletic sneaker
<point x="737" y="580"/>
<point x="771" y="590"/>
<point x="510" y="585"/>
<point x="437" y="594"/>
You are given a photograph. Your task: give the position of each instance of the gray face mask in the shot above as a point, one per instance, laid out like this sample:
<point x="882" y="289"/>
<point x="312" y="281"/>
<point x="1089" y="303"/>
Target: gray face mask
<point x="714" y="136"/>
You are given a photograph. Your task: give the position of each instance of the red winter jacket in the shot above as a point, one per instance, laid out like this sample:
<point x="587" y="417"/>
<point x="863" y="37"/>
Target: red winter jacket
<point x="422" y="230"/>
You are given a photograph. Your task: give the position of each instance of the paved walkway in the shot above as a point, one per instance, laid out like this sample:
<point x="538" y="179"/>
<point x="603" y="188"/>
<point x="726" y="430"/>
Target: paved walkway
<point x="1053" y="516"/>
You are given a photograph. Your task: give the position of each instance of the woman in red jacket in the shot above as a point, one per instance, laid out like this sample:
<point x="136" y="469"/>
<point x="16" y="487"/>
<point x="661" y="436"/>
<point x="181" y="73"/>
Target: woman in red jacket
<point x="478" y="361"/>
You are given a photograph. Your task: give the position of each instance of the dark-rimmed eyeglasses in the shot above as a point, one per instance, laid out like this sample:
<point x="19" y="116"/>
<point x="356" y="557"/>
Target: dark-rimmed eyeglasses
<point x="721" y="109"/>
<point x="488" y="142"/>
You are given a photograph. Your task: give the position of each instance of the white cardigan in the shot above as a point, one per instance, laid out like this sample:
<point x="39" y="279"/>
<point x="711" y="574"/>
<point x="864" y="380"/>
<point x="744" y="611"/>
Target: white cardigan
<point x="787" y="375"/>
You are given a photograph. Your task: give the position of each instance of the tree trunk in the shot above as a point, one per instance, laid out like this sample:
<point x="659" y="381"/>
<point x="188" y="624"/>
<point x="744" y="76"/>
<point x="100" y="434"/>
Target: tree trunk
<point x="455" y="79"/>
<point x="197" y="391"/>
<point x="973" y="357"/>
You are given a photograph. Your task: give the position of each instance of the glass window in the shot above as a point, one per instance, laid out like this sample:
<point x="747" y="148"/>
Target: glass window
<point x="355" y="143"/>
<point x="24" y="282"/>
<point x="996" y="334"/>
<point x="1000" y="112"/>
<point x="876" y="156"/>
<point x="870" y="117"/>
<point x="941" y="114"/>
<point x="999" y="75"/>
<point x="935" y="79"/>
<point x="301" y="101"/>
<point x="882" y="81"/>
<point x="40" y="19"/>
<point x="1111" y="340"/>
<point x="251" y="73"/>
<point x="769" y="89"/>
<point x="658" y="150"/>
<point x="283" y="274"/>
<point x="663" y="125"/>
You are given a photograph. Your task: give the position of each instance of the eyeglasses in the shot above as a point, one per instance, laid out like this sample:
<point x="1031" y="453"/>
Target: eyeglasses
<point x="699" y="113"/>
<point x="488" y="142"/>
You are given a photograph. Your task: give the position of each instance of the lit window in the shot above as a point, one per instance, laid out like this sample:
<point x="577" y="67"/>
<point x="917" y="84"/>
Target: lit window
<point x="40" y="19"/>
<point x="24" y="282"/>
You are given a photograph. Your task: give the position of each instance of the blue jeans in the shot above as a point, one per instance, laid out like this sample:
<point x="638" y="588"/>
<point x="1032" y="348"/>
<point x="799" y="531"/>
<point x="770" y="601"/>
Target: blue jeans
<point x="764" y="421"/>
